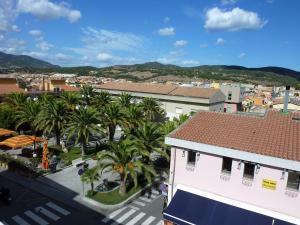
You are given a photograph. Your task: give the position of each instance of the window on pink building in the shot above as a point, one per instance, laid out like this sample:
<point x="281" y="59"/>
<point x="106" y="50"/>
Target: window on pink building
<point x="191" y="159"/>
<point x="249" y="171"/>
<point x="227" y="164"/>
<point x="293" y="181"/>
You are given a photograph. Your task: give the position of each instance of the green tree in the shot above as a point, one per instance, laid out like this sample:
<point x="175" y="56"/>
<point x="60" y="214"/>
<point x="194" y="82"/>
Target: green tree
<point x="123" y="158"/>
<point x="16" y="100"/>
<point x="7" y="117"/>
<point x="182" y="118"/>
<point x="149" y="138"/>
<point x="102" y="99"/>
<point x="133" y="118"/>
<point x="71" y="99"/>
<point x="151" y="108"/>
<point x="53" y="119"/>
<point x="87" y="93"/>
<point x="90" y="176"/>
<point x="125" y="99"/>
<point x="113" y="116"/>
<point x="83" y="123"/>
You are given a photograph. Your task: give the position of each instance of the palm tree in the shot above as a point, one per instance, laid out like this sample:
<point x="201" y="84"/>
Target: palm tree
<point x="182" y="118"/>
<point x="16" y="100"/>
<point x="151" y="108"/>
<point x="122" y="158"/>
<point x="53" y="118"/>
<point x="84" y="122"/>
<point x="133" y="118"/>
<point x="87" y="93"/>
<point x="28" y="116"/>
<point x="44" y="99"/>
<point x="90" y="176"/>
<point x="149" y="138"/>
<point x="168" y="127"/>
<point x="102" y="99"/>
<point x="125" y="99"/>
<point x="113" y="116"/>
<point x="71" y="99"/>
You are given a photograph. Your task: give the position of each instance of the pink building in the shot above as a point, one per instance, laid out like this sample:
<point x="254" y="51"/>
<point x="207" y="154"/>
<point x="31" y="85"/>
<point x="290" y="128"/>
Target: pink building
<point x="235" y="169"/>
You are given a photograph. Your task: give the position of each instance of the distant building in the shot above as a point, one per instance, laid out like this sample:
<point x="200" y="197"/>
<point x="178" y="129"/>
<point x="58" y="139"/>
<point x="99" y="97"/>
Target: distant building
<point x="235" y="170"/>
<point x="175" y="100"/>
<point x="234" y="97"/>
<point x="8" y="86"/>
<point x="55" y="85"/>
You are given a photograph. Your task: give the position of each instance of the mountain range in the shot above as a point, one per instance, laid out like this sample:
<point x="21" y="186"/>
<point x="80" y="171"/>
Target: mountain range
<point x="154" y="71"/>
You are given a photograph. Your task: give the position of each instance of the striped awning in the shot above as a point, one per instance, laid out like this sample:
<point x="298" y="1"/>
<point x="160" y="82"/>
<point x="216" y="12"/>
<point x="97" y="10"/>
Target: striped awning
<point x="21" y="141"/>
<point x="4" y="132"/>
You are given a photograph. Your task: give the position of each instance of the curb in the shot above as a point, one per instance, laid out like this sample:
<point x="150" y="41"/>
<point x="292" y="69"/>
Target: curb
<point x="106" y="207"/>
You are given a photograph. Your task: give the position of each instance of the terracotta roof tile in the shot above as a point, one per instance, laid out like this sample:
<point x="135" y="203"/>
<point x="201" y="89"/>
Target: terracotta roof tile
<point x="6" y="89"/>
<point x="160" y="89"/>
<point x="274" y="134"/>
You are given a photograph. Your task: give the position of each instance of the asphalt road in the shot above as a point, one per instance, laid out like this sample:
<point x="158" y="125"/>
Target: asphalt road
<point x="31" y="208"/>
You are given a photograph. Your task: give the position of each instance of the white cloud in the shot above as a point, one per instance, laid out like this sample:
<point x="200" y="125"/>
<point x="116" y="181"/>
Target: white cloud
<point x="177" y="53"/>
<point x="204" y="46"/>
<point x="61" y="56"/>
<point x="35" y="33"/>
<point x="242" y="55"/>
<point x="44" y="46"/>
<point x="167" y="31"/>
<point x="167" y="19"/>
<point x="111" y="40"/>
<point x="190" y="62"/>
<point x="7" y="15"/>
<point x="15" y="28"/>
<point x="13" y="46"/>
<point x="45" y="9"/>
<point x="220" y="41"/>
<point x="180" y="43"/>
<point x="228" y="2"/>
<point x="104" y="57"/>
<point x="36" y="54"/>
<point x="232" y="20"/>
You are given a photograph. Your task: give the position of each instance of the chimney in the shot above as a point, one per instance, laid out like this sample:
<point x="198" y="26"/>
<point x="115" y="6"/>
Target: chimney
<point x="286" y="99"/>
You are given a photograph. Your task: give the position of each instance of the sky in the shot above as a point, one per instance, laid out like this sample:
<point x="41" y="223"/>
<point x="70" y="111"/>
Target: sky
<point x="251" y="33"/>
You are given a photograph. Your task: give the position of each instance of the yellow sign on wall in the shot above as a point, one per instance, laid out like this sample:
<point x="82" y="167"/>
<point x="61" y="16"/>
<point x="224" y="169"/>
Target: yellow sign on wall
<point x="269" y="184"/>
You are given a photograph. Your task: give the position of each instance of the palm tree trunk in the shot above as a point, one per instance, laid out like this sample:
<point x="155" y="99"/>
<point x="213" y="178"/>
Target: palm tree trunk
<point x="112" y="130"/>
<point x="57" y="133"/>
<point x="92" y="186"/>
<point x="83" y="147"/>
<point x="122" y="190"/>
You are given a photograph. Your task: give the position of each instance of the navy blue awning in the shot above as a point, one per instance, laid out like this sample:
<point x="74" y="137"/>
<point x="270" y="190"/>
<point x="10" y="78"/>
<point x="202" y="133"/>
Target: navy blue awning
<point x="187" y="209"/>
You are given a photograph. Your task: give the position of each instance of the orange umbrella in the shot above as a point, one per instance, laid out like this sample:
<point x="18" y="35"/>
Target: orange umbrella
<point x="21" y="141"/>
<point x="45" y="160"/>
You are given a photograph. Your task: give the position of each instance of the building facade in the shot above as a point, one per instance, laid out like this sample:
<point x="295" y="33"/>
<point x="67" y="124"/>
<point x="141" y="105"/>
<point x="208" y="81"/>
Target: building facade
<point x="175" y="100"/>
<point x="234" y="97"/>
<point x="246" y="161"/>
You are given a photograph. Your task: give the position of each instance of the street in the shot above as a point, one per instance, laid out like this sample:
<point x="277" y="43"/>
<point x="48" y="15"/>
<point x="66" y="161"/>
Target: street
<point x="30" y="208"/>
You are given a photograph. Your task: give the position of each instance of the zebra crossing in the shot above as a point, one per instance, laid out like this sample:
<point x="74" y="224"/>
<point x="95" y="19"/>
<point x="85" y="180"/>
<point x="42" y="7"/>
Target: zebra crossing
<point x="42" y="215"/>
<point x="133" y="213"/>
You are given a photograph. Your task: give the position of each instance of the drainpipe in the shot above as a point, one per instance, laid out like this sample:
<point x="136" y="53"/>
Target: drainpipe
<point x="286" y="99"/>
<point x="173" y="176"/>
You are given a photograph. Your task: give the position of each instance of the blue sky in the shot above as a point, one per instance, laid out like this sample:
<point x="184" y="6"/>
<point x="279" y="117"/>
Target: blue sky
<point x="250" y="33"/>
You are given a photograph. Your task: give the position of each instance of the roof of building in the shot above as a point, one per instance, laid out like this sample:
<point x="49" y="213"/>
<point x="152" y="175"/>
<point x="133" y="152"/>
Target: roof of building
<point x="6" y="89"/>
<point x="274" y="134"/>
<point x="160" y="89"/>
<point x="66" y="87"/>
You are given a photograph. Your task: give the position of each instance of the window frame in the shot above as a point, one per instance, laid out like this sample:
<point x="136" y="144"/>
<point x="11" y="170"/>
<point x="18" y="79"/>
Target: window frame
<point x="223" y="169"/>
<point x="247" y="176"/>
<point x="229" y="97"/>
<point x="288" y="186"/>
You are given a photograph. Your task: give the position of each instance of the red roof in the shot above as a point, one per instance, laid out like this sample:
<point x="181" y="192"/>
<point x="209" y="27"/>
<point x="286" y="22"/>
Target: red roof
<point x="6" y="89"/>
<point x="274" y="134"/>
<point x="65" y="87"/>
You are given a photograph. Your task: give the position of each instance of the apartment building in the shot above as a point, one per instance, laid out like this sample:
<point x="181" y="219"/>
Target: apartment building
<point x="8" y="86"/>
<point x="234" y="97"/>
<point x="175" y="100"/>
<point x="235" y="169"/>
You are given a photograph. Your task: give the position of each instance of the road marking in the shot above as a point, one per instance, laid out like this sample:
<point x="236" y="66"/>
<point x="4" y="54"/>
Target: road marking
<point x="160" y="222"/>
<point x="36" y="218"/>
<point x="3" y="223"/>
<point x="136" y="219"/>
<point x="47" y="213"/>
<point x="58" y="208"/>
<point x="155" y="192"/>
<point x="139" y="203"/>
<point x="149" y="220"/>
<point x="133" y="207"/>
<point x="19" y="220"/>
<point x="145" y="199"/>
<point x="112" y="215"/>
<point x="154" y="196"/>
<point x="124" y="217"/>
